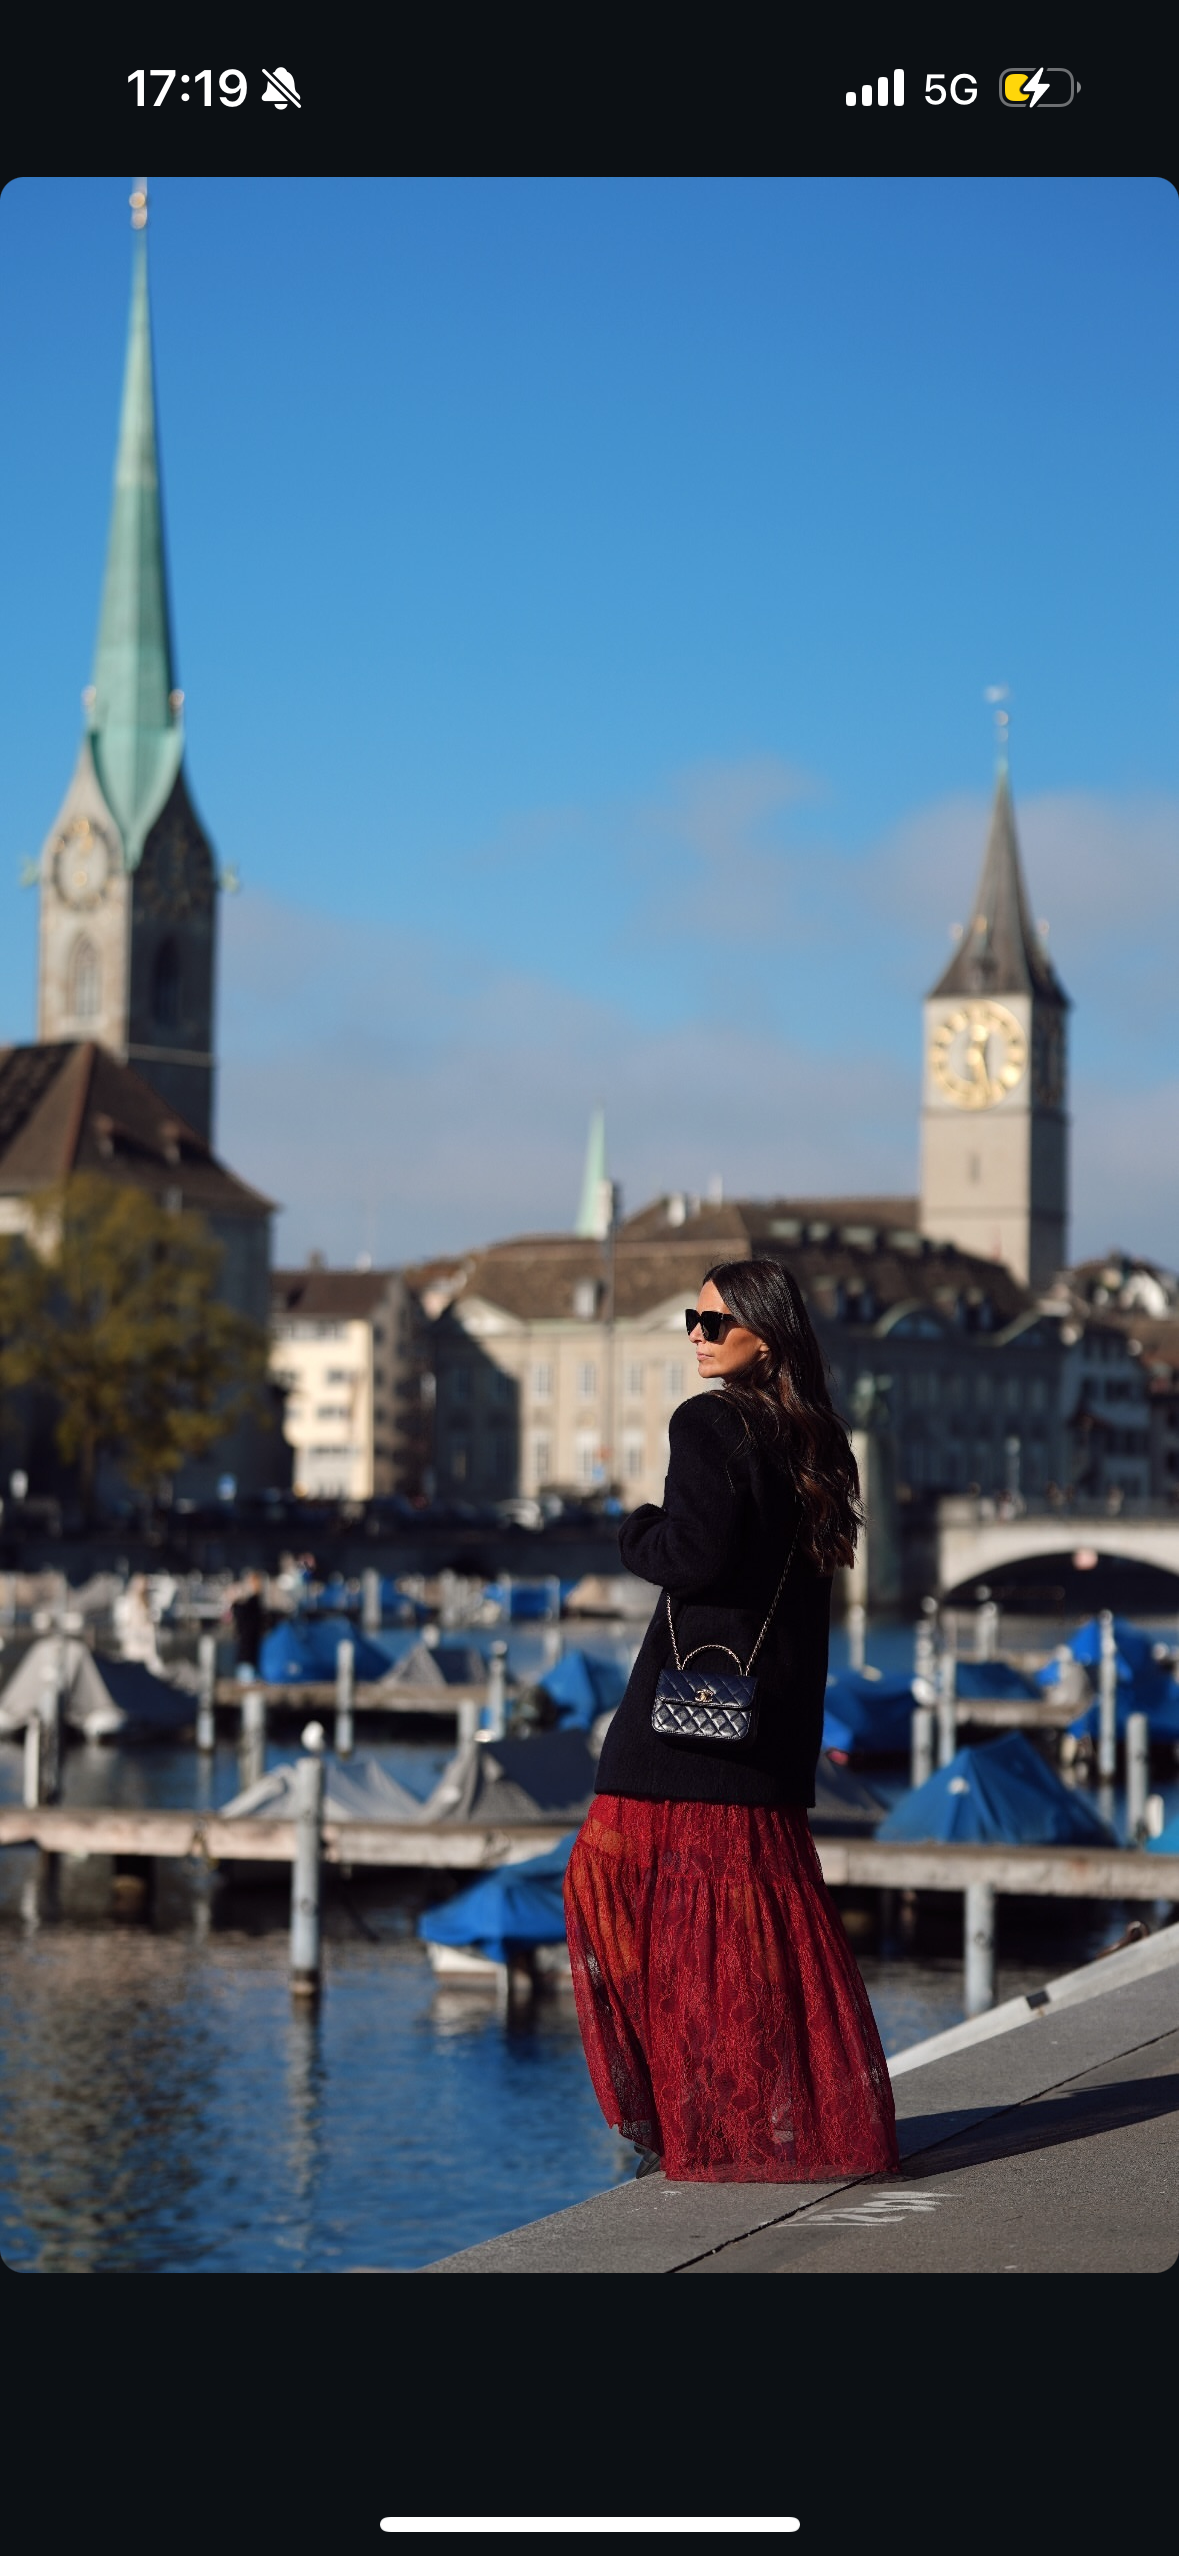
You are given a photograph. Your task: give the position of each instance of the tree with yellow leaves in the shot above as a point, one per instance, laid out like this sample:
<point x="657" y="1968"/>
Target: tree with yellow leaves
<point x="108" y="1303"/>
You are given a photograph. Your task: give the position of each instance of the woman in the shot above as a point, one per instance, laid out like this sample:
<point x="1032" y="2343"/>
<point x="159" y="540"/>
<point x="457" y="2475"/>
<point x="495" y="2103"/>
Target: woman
<point x="727" y="2028"/>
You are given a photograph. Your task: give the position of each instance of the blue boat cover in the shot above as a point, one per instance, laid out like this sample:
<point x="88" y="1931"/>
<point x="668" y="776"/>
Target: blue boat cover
<point x="528" y="1599"/>
<point x="992" y="1679"/>
<point x="303" y="1651"/>
<point x="581" y="1687"/>
<point x="868" y="1714"/>
<point x="507" y="1911"/>
<point x="1000" y="1794"/>
<point x="1145" y="1685"/>
<point x="147" y="1700"/>
<point x="1167" y="1842"/>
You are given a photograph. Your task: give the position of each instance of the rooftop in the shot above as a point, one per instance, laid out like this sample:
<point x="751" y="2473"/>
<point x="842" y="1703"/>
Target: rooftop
<point x="68" y="1105"/>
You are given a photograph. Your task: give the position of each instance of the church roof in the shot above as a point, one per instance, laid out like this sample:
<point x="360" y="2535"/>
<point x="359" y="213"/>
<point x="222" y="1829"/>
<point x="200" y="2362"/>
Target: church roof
<point x="69" y="1106"/>
<point x="999" y="952"/>
<point x="137" y="737"/>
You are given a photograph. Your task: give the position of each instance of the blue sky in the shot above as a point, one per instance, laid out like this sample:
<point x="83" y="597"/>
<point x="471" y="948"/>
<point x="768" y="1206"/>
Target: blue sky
<point x="584" y="595"/>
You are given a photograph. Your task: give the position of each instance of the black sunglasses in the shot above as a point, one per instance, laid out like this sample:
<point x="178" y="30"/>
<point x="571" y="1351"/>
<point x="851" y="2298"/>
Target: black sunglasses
<point x="709" y="1323"/>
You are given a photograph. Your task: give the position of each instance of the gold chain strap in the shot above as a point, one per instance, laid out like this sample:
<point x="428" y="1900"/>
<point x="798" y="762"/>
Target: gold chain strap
<point x="723" y="1646"/>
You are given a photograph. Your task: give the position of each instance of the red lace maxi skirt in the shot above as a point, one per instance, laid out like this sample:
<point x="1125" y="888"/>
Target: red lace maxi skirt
<point x="724" y="2020"/>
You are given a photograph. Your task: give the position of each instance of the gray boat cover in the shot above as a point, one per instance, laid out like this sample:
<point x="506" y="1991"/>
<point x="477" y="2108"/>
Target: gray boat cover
<point x="360" y="1790"/>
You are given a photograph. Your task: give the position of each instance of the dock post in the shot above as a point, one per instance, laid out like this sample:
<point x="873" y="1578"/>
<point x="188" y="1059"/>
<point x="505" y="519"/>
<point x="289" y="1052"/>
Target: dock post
<point x="1107" y="1742"/>
<point x="345" y="1664"/>
<point x="979" y="1946"/>
<point x="1137" y="1776"/>
<point x="206" y="1723"/>
<point x="921" y="1746"/>
<point x="51" y="1704"/>
<point x="856" y="1622"/>
<point x="448" y="1614"/>
<point x="552" y="1593"/>
<point x="468" y="1719"/>
<point x="305" y="1866"/>
<point x="496" y="1713"/>
<point x="370" y="1601"/>
<point x="947" y="1708"/>
<point x="986" y="1630"/>
<point x="32" y="1762"/>
<point x="252" y="1747"/>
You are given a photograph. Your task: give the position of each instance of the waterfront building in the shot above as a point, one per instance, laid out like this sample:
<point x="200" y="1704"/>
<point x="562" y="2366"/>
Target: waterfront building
<point x="1128" y="1412"/>
<point x="994" y="1122"/>
<point x="558" y="1360"/>
<point x="343" y="1354"/>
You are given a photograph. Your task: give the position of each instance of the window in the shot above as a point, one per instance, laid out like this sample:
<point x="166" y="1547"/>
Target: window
<point x="587" y="1380"/>
<point x="331" y="1411"/>
<point x="458" y="1464"/>
<point x="337" y="1375"/>
<point x="504" y="1386"/>
<point x="585" y="1299"/>
<point x="165" y="986"/>
<point x="542" y="1459"/>
<point x="632" y="1456"/>
<point x="542" y="1381"/>
<point x="460" y="1384"/>
<point x="585" y="1456"/>
<point x="673" y="1376"/>
<point x="85" y="996"/>
<point x="633" y="1380"/>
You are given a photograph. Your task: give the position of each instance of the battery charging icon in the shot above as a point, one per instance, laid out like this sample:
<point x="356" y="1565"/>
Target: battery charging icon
<point x="1043" y="88"/>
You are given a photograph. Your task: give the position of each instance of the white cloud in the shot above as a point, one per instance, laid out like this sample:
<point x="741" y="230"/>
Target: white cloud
<point x="404" y="1092"/>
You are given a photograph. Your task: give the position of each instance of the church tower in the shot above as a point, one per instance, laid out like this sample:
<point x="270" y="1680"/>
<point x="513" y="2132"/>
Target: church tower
<point x="127" y="877"/>
<point x="994" y="1128"/>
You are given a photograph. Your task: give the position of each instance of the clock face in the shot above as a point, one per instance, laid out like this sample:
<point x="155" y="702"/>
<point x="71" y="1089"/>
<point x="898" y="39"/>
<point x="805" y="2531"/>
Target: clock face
<point x="978" y="1054"/>
<point x="83" y="864"/>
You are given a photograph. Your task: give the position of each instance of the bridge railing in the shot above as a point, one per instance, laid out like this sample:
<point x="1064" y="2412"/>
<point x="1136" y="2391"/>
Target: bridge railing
<point x="968" y="1508"/>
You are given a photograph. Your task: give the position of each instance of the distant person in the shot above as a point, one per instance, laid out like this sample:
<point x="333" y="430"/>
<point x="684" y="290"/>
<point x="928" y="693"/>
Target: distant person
<point x="249" y="1621"/>
<point x="134" y="1626"/>
<point x="727" y="2029"/>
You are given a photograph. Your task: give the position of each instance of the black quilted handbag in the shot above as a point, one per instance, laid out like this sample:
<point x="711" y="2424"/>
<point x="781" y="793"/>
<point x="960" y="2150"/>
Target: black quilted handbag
<point x="690" y="1704"/>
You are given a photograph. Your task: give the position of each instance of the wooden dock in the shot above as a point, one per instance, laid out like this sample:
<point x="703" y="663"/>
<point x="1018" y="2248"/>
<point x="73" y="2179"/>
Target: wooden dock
<point x="320" y="1695"/>
<point x="204" y="1837"/>
<point x="1051" y="1872"/>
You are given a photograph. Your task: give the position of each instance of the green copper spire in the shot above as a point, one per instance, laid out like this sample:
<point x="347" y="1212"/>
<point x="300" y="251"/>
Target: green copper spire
<point x="137" y="737"/>
<point x="593" y="1216"/>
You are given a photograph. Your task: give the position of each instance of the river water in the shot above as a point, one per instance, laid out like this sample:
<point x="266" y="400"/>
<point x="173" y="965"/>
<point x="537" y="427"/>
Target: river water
<point x="165" y="2108"/>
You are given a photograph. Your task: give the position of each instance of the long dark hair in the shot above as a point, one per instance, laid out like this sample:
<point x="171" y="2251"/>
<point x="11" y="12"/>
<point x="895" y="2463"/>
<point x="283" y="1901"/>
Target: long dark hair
<point x="787" y="1407"/>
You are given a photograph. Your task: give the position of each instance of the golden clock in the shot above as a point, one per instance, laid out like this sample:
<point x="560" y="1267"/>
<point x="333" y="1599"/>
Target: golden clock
<point x="978" y="1054"/>
<point x="84" y="862"/>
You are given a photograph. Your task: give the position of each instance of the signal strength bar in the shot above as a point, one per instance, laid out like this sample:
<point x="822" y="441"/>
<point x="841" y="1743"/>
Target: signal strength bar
<point x="877" y="91"/>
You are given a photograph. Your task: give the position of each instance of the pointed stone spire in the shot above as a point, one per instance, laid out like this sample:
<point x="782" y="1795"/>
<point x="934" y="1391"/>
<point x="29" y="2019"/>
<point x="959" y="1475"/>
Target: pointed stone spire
<point x="136" y="732"/>
<point x="1000" y="952"/>
<point x="594" y="1213"/>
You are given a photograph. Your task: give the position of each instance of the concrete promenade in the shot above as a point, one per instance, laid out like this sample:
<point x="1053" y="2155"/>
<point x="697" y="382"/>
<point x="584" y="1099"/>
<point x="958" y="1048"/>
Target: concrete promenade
<point x="1042" y="2137"/>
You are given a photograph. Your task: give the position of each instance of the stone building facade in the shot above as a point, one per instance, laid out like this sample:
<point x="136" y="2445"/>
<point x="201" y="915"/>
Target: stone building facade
<point x="558" y="1360"/>
<point x="343" y="1357"/>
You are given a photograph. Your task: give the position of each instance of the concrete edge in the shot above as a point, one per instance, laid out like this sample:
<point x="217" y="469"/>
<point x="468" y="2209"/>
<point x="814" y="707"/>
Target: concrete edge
<point x="1095" y="1979"/>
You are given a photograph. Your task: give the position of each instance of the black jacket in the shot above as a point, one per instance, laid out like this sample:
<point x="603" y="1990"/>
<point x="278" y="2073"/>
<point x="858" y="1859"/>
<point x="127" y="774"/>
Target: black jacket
<point x="717" y="1547"/>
